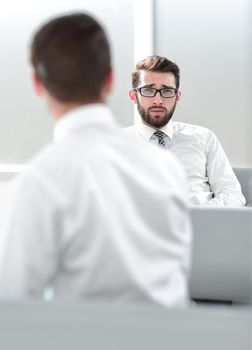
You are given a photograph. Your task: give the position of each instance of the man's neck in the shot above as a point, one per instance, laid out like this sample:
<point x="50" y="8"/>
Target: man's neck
<point x="58" y="110"/>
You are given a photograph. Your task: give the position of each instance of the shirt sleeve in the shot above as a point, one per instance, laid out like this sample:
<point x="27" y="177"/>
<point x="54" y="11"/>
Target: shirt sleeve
<point x="222" y="180"/>
<point x="29" y="240"/>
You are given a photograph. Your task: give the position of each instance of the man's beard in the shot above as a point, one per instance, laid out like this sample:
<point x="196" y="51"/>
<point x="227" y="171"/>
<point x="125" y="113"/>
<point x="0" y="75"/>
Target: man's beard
<point x="151" y="120"/>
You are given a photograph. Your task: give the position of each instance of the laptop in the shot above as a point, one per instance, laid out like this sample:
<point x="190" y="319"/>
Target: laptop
<point x="222" y="254"/>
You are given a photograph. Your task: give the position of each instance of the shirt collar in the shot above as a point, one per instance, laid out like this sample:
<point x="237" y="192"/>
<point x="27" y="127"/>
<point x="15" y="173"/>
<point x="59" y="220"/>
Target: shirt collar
<point x="147" y="131"/>
<point x="95" y="115"/>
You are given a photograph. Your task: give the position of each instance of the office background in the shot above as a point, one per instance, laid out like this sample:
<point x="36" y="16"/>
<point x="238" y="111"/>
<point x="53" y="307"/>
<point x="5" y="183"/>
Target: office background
<point x="210" y="40"/>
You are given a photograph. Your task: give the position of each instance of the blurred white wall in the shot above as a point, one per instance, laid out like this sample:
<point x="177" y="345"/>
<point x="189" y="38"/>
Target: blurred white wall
<point x="210" y="40"/>
<point x="26" y="124"/>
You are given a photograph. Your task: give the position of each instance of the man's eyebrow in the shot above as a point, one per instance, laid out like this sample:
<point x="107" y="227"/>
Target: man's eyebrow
<point x="163" y="86"/>
<point x="168" y="86"/>
<point x="148" y="85"/>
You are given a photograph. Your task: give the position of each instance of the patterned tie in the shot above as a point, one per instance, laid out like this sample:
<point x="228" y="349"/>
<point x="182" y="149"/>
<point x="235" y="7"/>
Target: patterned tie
<point x="160" y="136"/>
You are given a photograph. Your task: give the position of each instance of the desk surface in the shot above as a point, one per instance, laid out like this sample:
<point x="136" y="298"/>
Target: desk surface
<point x="80" y="326"/>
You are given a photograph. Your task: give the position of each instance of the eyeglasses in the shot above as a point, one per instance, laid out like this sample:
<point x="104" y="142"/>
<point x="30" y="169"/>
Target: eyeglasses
<point x="148" y="91"/>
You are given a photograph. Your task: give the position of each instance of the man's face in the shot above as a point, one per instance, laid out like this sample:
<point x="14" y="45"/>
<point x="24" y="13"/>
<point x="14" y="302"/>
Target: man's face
<point x="155" y="111"/>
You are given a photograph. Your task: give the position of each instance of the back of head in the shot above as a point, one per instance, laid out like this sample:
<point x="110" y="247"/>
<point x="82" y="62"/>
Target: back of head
<point x="71" y="57"/>
<point x="158" y="64"/>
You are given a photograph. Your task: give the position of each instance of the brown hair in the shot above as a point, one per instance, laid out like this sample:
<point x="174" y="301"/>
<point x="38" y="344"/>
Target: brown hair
<point x="155" y="64"/>
<point x="71" y="56"/>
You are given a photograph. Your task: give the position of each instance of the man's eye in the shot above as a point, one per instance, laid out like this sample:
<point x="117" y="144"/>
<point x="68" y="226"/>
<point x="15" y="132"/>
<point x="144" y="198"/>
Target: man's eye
<point x="167" y="91"/>
<point x="148" y="90"/>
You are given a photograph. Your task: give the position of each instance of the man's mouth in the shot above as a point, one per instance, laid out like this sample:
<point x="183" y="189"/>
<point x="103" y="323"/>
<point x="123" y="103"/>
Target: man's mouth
<point x="157" y="110"/>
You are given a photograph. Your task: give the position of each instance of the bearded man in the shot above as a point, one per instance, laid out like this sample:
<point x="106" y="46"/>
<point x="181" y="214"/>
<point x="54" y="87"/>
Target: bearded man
<point x="155" y="90"/>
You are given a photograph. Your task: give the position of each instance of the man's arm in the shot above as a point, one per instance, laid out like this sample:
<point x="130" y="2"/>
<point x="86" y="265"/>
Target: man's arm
<point x="29" y="252"/>
<point x="222" y="180"/>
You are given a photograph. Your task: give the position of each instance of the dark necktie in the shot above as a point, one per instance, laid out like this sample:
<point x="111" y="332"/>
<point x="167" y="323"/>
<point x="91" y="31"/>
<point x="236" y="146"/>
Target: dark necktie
<point x="160" y="136"/>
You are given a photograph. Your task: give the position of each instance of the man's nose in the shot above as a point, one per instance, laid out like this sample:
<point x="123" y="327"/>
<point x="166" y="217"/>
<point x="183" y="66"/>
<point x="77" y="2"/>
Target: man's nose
<point x="158" y="98"/>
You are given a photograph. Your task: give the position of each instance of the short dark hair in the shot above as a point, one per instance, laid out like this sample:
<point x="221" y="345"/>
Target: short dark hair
<point x="71" y="57"/>
<point x="155" y="63"/>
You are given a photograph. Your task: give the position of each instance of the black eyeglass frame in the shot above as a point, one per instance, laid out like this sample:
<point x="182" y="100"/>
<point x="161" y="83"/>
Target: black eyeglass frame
<point x="156" y="91"/>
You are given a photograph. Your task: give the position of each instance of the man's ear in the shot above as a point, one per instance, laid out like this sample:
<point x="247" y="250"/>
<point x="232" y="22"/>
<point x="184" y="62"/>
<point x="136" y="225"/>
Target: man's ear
<point x="178" y="96"/>
<point x="132" y="96"/>
<point x="109" y="81"/>
<point x="37" y="85"/>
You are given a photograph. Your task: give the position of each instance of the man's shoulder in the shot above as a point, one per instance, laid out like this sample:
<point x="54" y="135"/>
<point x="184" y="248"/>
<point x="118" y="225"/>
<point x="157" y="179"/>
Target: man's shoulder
<point x="191" y="129"/>
<point x="49" y="164"/>
<point x="130" y="129"/>
<point x="45" y="154"/>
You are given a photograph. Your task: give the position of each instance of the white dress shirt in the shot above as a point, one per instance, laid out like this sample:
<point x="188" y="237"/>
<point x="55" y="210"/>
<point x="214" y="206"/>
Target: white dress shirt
<point x="212" y="181"/>
<point x="96" y="217"/>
